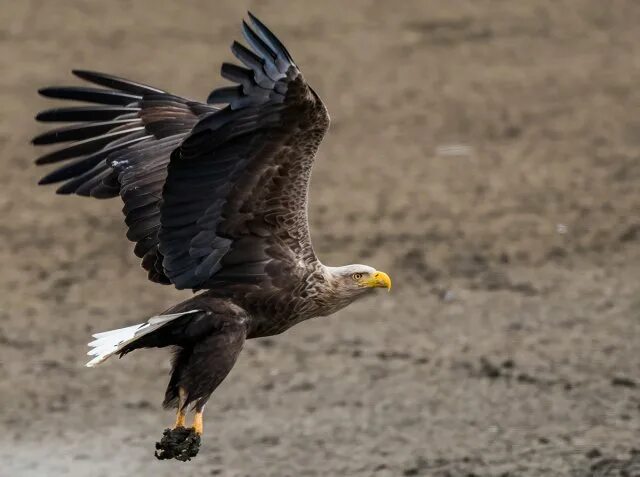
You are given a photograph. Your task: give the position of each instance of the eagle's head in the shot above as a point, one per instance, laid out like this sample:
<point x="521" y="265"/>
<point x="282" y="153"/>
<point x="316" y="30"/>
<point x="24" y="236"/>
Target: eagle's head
<point x="353" y="281"/>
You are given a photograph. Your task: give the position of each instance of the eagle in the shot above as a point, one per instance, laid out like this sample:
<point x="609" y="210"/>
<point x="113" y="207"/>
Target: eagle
<point x="215" y="198"/>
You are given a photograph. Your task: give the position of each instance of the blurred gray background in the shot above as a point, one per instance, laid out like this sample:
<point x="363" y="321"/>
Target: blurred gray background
<point x="485" y="153"/>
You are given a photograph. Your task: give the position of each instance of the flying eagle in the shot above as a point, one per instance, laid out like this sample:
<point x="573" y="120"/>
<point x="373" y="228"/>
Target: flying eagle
<point x="215" y="198"/>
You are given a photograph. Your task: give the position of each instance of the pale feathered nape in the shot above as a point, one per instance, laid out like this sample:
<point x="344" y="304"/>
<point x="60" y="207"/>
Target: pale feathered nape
<point x="110" y="342"/>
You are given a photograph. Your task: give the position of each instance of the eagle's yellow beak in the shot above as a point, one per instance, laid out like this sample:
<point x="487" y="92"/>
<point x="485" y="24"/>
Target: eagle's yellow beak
<point x="379" y="280"/>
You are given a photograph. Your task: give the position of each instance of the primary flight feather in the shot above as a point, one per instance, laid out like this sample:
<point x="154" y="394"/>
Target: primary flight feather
<point x="215" y="198"/>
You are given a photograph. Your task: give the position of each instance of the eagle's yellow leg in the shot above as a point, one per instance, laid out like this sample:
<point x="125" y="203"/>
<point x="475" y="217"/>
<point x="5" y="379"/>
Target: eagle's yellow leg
<point x="180" y="418"/>
<point x="198" y="425"/>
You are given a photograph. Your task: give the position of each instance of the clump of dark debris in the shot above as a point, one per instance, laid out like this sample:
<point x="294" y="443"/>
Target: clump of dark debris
<point x="180" y="443"/>
<point x="488" y="368"/>
<point x="612" y="466"/>
<point x="623" y="381"/>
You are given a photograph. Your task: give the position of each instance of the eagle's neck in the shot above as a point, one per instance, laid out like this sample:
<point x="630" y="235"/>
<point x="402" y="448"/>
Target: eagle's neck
<point x="332" y="294"/>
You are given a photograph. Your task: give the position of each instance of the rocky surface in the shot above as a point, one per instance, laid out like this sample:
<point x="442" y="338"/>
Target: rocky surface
<point x="486" y="154"/>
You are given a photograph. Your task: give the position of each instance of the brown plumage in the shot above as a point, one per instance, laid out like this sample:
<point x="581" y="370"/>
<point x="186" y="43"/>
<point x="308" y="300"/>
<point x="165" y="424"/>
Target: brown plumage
<point x="215" y="198"/>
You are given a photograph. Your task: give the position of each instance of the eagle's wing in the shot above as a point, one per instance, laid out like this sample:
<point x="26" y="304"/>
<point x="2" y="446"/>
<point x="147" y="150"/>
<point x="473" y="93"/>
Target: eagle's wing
<point x="120" y="146"/>
<point x="211" y="196"/>
<point x="234" y="204"/>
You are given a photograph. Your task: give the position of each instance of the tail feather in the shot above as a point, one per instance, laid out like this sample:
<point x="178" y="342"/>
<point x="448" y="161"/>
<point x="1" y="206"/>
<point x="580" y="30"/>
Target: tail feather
<point x="108" y="343"/>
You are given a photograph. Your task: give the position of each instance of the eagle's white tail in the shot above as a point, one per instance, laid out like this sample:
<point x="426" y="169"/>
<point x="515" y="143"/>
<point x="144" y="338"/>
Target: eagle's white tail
<point x="110" y="342"/>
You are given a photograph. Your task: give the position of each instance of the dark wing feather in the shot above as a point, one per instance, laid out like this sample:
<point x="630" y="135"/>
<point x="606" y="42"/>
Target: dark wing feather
<point x="84" y="113"/>
<point x="120" y="146"/>
<point x="90" y="95"/>
<point x="234" y="202"/>
<point x="78" y="132"/>
<point x="113" y="82"/>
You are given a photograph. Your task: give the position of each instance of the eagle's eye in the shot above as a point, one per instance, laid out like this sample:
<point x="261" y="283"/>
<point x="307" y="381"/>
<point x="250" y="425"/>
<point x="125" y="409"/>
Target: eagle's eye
<point x="356" y="276"/>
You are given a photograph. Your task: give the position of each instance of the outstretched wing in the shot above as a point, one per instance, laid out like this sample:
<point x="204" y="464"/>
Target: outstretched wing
<point x="234" y="204"/>
<point x="120" y="146"/>
<point x="211" y="196"/>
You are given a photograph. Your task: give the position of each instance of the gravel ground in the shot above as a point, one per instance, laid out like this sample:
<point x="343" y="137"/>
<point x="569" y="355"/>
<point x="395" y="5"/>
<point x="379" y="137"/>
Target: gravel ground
<point x="485" y="153"/>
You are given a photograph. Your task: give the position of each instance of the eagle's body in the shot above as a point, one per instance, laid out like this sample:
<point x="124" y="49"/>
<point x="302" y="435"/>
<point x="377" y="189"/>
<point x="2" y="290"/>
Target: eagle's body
<point x="216" y="201"/>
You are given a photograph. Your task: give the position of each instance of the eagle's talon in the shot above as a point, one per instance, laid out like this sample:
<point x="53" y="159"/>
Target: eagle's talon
<point x="179" y="443"/>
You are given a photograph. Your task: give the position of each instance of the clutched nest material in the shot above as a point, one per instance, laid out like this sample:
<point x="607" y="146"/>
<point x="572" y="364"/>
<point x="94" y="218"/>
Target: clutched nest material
<point x="180" y="443"/>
